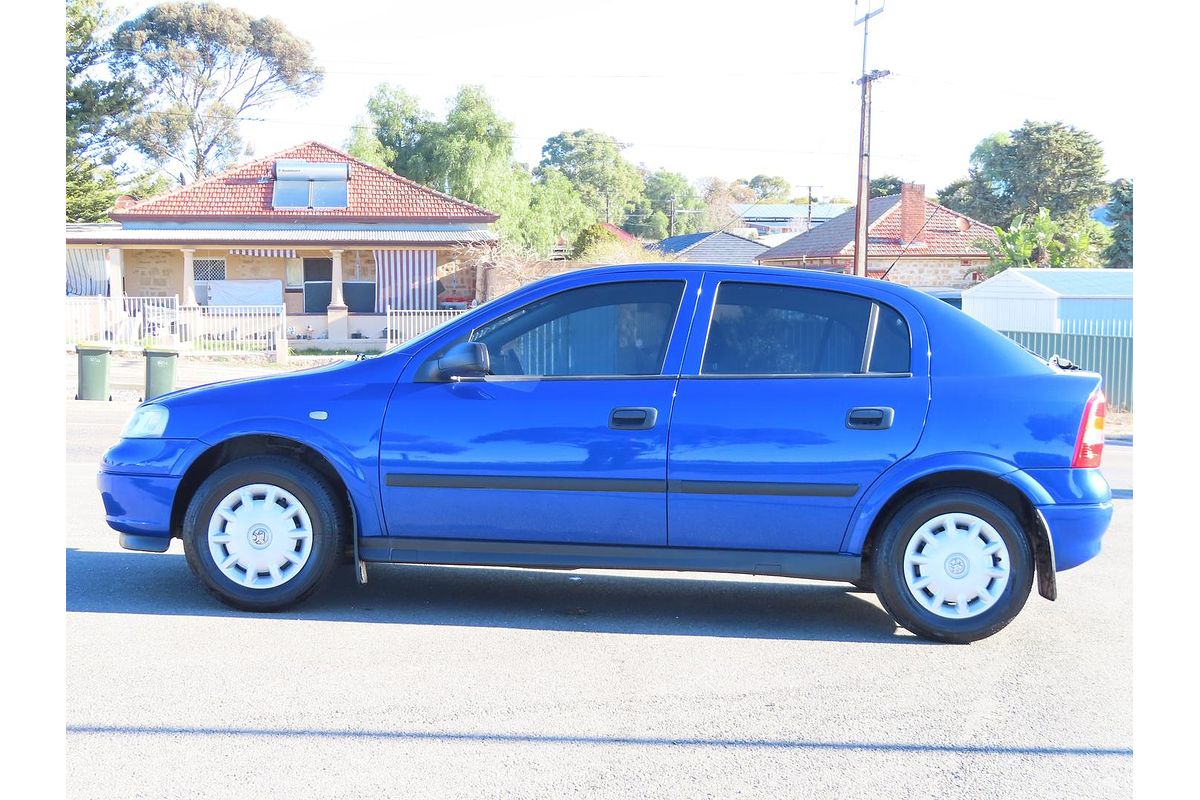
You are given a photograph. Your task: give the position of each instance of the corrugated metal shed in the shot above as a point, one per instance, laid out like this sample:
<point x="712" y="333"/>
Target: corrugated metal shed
<point x="1094" y="301"/>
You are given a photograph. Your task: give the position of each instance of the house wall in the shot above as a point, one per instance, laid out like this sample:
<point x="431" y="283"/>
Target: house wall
<point x="153" y="273"/>
<point x="932" y="273"/>
<point x="158" y="272"/>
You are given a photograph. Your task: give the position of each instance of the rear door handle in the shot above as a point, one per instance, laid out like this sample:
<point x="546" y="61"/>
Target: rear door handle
<point x="873" y="418"/>
<point x="632" y="419"/>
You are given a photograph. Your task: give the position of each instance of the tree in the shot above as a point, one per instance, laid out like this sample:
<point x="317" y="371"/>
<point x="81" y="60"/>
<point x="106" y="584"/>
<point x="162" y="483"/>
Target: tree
<point x="667" y="195"/>
<point x="1038" y="166"/>
<point x="203" y="68"/>
<point x="97" y="103"/>
<point x="1119" y="253"/>
<point x="719" y="197"/>
<point x="770" y="188"/>
<point x="886" y="185"/>
<point x="555" y="209"/>
<point x="592" y="162"/>
<point x="402" y="129"/>
<point x="1042" y="242"/>
<point x="363" y="144"/>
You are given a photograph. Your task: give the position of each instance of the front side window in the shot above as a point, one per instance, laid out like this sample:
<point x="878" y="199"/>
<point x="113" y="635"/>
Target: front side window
<point x="606" y="329"/>
<point x="766" y="329"/>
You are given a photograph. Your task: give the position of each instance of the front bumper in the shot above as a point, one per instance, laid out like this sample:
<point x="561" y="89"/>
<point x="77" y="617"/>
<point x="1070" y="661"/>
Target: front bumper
<point x="138" y="480"/>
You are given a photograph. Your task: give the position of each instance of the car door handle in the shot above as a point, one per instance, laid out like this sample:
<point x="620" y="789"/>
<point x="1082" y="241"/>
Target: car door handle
<point x="870" y="418"/>
<point x="632" y="419"/>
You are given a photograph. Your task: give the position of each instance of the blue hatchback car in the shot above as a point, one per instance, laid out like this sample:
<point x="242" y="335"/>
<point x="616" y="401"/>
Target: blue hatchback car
<point x="683" y="417"/>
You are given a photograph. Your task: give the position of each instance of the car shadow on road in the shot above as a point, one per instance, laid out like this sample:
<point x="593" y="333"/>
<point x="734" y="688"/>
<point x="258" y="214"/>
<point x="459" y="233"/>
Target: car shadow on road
<point x="141" y="583"/>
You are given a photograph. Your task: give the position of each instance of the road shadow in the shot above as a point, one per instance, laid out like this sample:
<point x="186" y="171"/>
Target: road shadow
<point x="144" y="583"/>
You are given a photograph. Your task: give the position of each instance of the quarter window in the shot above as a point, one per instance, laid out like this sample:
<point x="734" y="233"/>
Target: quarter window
<point x="766" y="329"/>
<point x="607" y="329"/>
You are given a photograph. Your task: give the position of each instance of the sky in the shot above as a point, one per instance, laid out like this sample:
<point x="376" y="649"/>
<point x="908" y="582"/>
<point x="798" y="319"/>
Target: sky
<point x="723" y="89"/>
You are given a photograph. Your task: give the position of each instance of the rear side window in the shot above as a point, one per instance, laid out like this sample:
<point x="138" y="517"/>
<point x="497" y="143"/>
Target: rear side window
<point x="767" y="329"/>
<point x="606" y="329"/>
<point x="892" y="343"/>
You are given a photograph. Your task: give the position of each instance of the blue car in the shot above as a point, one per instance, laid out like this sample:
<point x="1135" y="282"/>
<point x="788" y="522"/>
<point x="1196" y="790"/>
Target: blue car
<point x="685" y="417"/>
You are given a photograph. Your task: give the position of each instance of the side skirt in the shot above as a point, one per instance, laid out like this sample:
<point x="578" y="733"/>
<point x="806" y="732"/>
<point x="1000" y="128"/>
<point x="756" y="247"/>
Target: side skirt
<point x="470" y="552"/>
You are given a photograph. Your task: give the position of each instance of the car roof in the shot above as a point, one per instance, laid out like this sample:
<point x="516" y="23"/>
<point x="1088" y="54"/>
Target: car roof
<point x="832" y="280"/>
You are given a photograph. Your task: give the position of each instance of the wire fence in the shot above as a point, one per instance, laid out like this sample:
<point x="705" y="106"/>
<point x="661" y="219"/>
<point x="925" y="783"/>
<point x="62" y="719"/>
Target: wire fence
<point x="1111" y="356"/>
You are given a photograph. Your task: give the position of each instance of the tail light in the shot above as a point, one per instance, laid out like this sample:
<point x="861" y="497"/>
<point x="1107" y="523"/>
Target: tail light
<point x="1089" y="444"/>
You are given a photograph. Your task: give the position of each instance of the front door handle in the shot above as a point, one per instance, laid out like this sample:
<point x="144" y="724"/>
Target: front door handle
<point x="632" y="419"/>
<point x="874" y="418"/>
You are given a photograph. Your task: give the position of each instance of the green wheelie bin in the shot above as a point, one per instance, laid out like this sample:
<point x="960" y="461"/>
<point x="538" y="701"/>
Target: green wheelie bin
<point x="93" y="371"/>
<point x="160" y="370"/>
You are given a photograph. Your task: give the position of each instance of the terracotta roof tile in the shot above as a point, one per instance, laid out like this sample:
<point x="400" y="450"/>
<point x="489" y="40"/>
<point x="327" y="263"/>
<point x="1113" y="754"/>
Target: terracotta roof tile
<point x="946" y="234"/>
<point x="244" y="191"/>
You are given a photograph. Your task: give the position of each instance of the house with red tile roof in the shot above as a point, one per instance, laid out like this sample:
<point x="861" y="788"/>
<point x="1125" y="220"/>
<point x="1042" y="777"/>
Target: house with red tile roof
<point x="914" y="241"/>
<point x="335" y="241"/>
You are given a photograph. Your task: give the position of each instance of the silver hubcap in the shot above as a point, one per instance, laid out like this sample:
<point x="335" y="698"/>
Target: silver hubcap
<point x="956" y="566"/>
<point x="260" y="536"/>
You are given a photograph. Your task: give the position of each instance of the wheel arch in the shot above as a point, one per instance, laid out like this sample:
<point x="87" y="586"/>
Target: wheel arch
<point x="1007" y="488"/>
<point x="257" y="444"/>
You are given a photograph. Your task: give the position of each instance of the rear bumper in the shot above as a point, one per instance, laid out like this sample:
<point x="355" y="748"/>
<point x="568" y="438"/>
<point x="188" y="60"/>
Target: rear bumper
<point x="1077" y="508"/>
<point x="1076" y="531"/>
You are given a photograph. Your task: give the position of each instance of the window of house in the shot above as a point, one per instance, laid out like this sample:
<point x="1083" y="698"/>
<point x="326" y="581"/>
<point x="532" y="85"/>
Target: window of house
<point x="208" y="269"/>
<point x="607" y="329"/>
<point x="764" y="329"/>
<point x="294" y="273"/>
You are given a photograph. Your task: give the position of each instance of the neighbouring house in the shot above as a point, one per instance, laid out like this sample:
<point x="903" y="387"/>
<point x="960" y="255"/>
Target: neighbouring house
<point x="710" y="247"/>
<point x="773" y="218"/>
<point x="332" y="239"/>
<point x="1092" y="301"/>
<point x="914" y="241"/>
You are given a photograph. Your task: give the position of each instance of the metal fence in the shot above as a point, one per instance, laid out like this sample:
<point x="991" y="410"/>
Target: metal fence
<point x="121" y="322"/>
<point x="1111" y="356"/>
<point x="405" y="325"/>
<point x="232" y="329"/>
<point x="136" y="322"/>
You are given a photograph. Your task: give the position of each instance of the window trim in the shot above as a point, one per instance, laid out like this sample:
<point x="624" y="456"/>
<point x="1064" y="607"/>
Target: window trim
<point x="672" y="329"/>
<point x="868" y="341"/>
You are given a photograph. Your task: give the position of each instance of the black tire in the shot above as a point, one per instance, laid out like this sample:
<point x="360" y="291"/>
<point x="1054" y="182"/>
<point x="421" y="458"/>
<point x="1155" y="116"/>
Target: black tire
<point x="887" y="566"/>
<point x="325" y="511"/>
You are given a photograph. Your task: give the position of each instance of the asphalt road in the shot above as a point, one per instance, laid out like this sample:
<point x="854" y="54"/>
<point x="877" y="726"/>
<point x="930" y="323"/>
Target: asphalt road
<point x="458" y="682"/>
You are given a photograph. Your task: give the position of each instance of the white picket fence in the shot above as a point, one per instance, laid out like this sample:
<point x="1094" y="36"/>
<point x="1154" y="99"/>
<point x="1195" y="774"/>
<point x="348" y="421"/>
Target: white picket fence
<point x="404" y="325"/>
<point x="136" y="322"/>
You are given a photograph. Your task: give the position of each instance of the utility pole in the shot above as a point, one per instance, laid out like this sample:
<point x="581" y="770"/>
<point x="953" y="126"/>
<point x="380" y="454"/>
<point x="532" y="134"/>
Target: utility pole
<point x="811" y="186"/>
<point x="671" y="219"/>
<point x="864" y="151"/>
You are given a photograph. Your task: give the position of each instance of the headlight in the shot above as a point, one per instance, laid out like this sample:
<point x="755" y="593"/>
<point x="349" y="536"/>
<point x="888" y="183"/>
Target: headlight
<point x="148" y="422"/>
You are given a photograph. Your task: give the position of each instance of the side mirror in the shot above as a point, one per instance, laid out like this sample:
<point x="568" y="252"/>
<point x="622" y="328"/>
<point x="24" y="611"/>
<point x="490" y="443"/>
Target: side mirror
<point x="465" y="360"/>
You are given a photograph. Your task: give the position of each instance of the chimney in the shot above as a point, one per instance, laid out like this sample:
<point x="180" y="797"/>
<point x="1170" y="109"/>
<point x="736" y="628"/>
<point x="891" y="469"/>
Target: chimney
<point x="912" y="213"/>
<point x="124" y="201"/>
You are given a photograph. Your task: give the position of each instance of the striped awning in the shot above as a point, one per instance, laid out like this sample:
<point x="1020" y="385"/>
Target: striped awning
<point x="405" y="279"/>
<point x="264" y="253"/>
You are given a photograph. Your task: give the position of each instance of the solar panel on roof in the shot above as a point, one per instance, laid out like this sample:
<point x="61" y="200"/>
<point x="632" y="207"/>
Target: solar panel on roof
<point x="290" y="194"/>
<point x="302" y="184"/>
<point x="328" y="194"/>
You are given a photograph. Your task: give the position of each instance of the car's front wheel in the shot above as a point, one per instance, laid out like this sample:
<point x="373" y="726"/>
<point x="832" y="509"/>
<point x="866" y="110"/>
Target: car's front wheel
<point x="260" y="533"/>
<point x="953" y="566"/>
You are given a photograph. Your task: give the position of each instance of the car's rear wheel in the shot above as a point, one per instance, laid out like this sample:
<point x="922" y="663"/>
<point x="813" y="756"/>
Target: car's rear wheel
<point x="953" y="566"/>
<point x="260" y="533"/>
